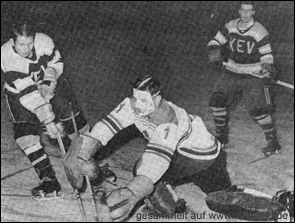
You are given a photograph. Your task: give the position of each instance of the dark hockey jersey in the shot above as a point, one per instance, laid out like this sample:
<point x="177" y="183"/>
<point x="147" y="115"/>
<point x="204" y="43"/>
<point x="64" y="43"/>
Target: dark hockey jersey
<point x="248" y="48"/>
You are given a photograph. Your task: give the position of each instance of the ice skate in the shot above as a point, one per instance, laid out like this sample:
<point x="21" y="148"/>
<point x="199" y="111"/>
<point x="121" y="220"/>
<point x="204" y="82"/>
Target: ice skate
<point x="48" y="189"/>
<point x="272" y="148"/>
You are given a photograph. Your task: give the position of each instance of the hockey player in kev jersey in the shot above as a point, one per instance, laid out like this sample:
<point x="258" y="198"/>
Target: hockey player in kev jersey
<point x="38" y="98"/>
<point x="179" y="146"/>
<point x="249" y="49"/>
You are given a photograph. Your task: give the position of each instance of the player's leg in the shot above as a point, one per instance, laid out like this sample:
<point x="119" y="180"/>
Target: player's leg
<point x="28" y="139"/>
<point x="218" y="103"/>
<point x="27" y="131"/>
<point x="258" y="105"/>
<point x="163" y="201"/>
<point x="64" y="103"/>
<point x="215" y="177"/>
<point x="201" y="158"/>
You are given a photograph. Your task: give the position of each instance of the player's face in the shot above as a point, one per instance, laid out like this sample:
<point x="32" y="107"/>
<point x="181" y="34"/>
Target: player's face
<point x="24" y="45"/>
<point x="246" y="13"/>
<point x="143" y="102"/>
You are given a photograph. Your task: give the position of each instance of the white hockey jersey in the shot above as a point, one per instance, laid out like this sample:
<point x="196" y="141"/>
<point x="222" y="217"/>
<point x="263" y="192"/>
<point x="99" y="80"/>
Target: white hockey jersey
<point x="20" y="79"/>
<point x="168" y="129"/>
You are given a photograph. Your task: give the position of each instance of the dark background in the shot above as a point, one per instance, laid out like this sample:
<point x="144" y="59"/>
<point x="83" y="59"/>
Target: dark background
<point x="105" y="45"/>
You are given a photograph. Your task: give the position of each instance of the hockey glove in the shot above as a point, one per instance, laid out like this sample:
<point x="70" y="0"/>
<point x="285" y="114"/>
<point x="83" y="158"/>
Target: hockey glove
<point x="53" y="129"/>
<point x="214" y="54"/>
<point x="122" y="201"/>
<point x="79" y="163"/>
<point x="47" y="89"/>
<point x="268" y="74"/>
<point x="48" y="85"/>
<point x="164" y="202"/>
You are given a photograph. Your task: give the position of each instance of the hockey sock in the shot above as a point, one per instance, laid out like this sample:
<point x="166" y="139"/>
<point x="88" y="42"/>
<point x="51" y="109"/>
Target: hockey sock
<point x="220" y="119"/>
<point x="267" y="126"/>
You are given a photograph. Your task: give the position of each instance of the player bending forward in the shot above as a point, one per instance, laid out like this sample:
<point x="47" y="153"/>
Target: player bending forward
<point x="39" y="98"/>
<point x="179" y="146"/>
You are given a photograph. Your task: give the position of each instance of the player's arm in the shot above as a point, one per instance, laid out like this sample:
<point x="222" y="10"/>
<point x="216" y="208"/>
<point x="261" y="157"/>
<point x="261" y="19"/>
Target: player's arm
<point x="268" y="71"/>
<point x="159" y="152"/>
<point x="214" y="47"/>
<point x="151" y="167"/>
<point x="119" y="118"/>
<point x="49" y="66"/>
<point x="83" y="148"/>
<point x="51" y="57"/>
<point x="31" y="99"/>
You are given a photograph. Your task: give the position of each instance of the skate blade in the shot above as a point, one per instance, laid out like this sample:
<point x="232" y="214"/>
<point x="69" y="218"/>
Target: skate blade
<point x="48" y="197"/>
<point x="266" y="155"/>
<point x="277" y="152"/>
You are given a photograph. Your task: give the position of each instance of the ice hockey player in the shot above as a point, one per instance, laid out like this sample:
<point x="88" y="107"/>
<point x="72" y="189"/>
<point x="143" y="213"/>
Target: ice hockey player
<point x="179" y="146"/>
<point x="38" y="97"/>
<point x="246" y="43"/>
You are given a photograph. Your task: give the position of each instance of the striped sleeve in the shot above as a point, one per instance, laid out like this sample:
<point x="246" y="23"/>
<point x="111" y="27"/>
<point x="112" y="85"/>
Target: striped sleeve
<point x="118" y="119"/>
<point x="56" y="62"/>
<point x="220" y="38"/>
<point x="265" y="51"/>
<point x="157" y="157"/>
<point x="45" y="46"/>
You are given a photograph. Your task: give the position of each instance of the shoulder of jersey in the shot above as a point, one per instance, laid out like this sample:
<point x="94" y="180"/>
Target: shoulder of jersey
<point x="260" y="30"/>
<point x="6" y="47"/>
<point x="7" y="53"/>
<point x="232" y="24"/>
<point x="43" y="40"/>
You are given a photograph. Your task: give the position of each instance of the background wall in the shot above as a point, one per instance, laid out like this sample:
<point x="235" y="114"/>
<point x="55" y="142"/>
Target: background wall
<point x="105" y="45"/>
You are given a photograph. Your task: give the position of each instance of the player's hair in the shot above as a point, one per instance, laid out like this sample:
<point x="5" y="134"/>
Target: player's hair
<point x="247" y="3"/>
<point x="149" y="84"/>
<point x="23" y="27"/>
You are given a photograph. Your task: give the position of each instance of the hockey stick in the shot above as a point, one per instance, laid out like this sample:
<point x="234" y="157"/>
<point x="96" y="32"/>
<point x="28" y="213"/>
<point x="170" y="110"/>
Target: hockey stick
<point x="78" y="197"/>
<point x="256" y="75"/>
<point x="87" y="177"/>
<point x="15" y="173"/>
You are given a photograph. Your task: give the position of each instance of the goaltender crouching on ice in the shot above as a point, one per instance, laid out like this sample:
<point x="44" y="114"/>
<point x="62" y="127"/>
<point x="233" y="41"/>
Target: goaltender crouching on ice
<point x="179" y="146"/>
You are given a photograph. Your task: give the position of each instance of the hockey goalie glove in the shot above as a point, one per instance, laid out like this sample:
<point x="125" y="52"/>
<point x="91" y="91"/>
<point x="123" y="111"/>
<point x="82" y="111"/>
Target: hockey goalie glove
<point x="78" y="161"/>
<point x="122" y="201"/>
<point x="164" y="202"/>
<point x="240" y="205"/>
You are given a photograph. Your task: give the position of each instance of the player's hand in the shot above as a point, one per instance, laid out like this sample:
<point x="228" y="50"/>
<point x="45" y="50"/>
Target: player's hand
<point x="268" y="74"/>
<point x="47" y="89"/>
<point x="53" y="129"/>
<point x="214" y="55"/>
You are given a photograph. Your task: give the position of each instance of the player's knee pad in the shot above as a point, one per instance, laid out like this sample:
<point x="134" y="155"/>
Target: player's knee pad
<point x="218" y="99"/>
